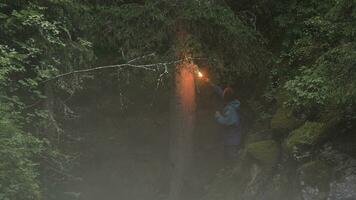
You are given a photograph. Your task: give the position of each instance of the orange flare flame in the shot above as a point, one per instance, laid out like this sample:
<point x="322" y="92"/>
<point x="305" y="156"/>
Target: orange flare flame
<point x="200" y="75"/>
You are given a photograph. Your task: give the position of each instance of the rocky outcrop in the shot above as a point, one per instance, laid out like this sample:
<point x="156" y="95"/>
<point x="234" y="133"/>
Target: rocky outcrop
<point x="316" y="174"/>
<point x="309" y="134"/>
<point x="283" y="120"/>
<point x="265" y="152"/>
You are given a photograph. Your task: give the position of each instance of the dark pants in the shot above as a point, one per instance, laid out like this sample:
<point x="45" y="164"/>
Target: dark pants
<point x="232" y="140"/>
<point x="231" y="152"/>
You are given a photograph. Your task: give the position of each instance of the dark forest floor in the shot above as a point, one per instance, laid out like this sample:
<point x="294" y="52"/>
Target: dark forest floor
<point x="129" y="158"/>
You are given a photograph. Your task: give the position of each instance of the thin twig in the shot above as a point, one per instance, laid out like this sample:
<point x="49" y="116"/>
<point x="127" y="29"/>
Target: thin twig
<point x="142" y="57"/>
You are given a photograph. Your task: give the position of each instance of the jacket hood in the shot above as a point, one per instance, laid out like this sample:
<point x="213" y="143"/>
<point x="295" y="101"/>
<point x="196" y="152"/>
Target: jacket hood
<point x="235" y="104"/>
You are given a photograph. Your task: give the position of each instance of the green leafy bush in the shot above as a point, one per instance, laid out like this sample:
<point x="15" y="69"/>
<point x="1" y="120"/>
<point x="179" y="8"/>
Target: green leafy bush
<point x="318" y="56"/>
<point x="307" y="89"/>
<point x="18" y="169"/>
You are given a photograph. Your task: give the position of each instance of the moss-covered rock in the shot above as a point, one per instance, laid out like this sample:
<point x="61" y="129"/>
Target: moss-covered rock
<point x="281" y="97"/>
<point x="253" y="137"/>
<point x="309" y="134"/>
<point x="265" y="152"/>
<point x="283" y="120"/>
<point x="316" y="174"/>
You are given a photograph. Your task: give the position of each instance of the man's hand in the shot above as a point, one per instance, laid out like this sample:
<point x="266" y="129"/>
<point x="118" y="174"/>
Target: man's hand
<point x="217" y="114"/>
<point x="205" y="79"/>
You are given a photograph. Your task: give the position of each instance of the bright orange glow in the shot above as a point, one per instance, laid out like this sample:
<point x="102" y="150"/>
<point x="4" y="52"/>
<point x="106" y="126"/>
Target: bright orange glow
<point x="200" y="75"/>
<point x="186" y="89"/>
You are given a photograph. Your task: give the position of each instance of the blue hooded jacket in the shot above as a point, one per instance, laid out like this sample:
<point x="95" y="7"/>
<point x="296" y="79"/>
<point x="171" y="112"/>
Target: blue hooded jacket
<point x="230" y="119"/>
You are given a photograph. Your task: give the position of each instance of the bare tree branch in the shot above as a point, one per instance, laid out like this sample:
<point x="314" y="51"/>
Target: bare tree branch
<point x="120" y="66"/>
<point x="150" y="67"/>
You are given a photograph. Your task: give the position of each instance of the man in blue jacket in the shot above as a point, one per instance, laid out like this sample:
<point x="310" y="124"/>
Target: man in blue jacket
<point x="230" y="120"/>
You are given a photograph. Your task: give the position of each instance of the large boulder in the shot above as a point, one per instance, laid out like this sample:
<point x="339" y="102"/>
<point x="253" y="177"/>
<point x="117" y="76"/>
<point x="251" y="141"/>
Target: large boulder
<point x="309" y="134"/>
<point x="284" y="121"/>
<point x="265" y="152"/>
<point x="345" y="188"/>
<point x="252" y="137"/>
<point x="316" y="173"/>
<point x="279" y="187"/>
<point x="315" y="177"/>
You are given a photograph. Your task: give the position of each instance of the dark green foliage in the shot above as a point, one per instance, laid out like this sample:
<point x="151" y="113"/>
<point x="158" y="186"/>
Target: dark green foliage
<point x="311" y="45"/>
<point x="225" y="39"/>
<point x="18" y="169"/>
<point x="319" y="48"/>
<point x="214" y="33"/>
<point x="34" y="45"/>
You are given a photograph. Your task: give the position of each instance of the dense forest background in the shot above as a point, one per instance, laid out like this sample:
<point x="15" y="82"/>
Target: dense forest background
<point x="292" y="64"/>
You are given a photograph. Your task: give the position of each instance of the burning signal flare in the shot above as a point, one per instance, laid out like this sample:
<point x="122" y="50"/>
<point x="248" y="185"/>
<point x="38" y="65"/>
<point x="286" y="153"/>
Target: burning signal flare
<point x="200" y="75"/>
